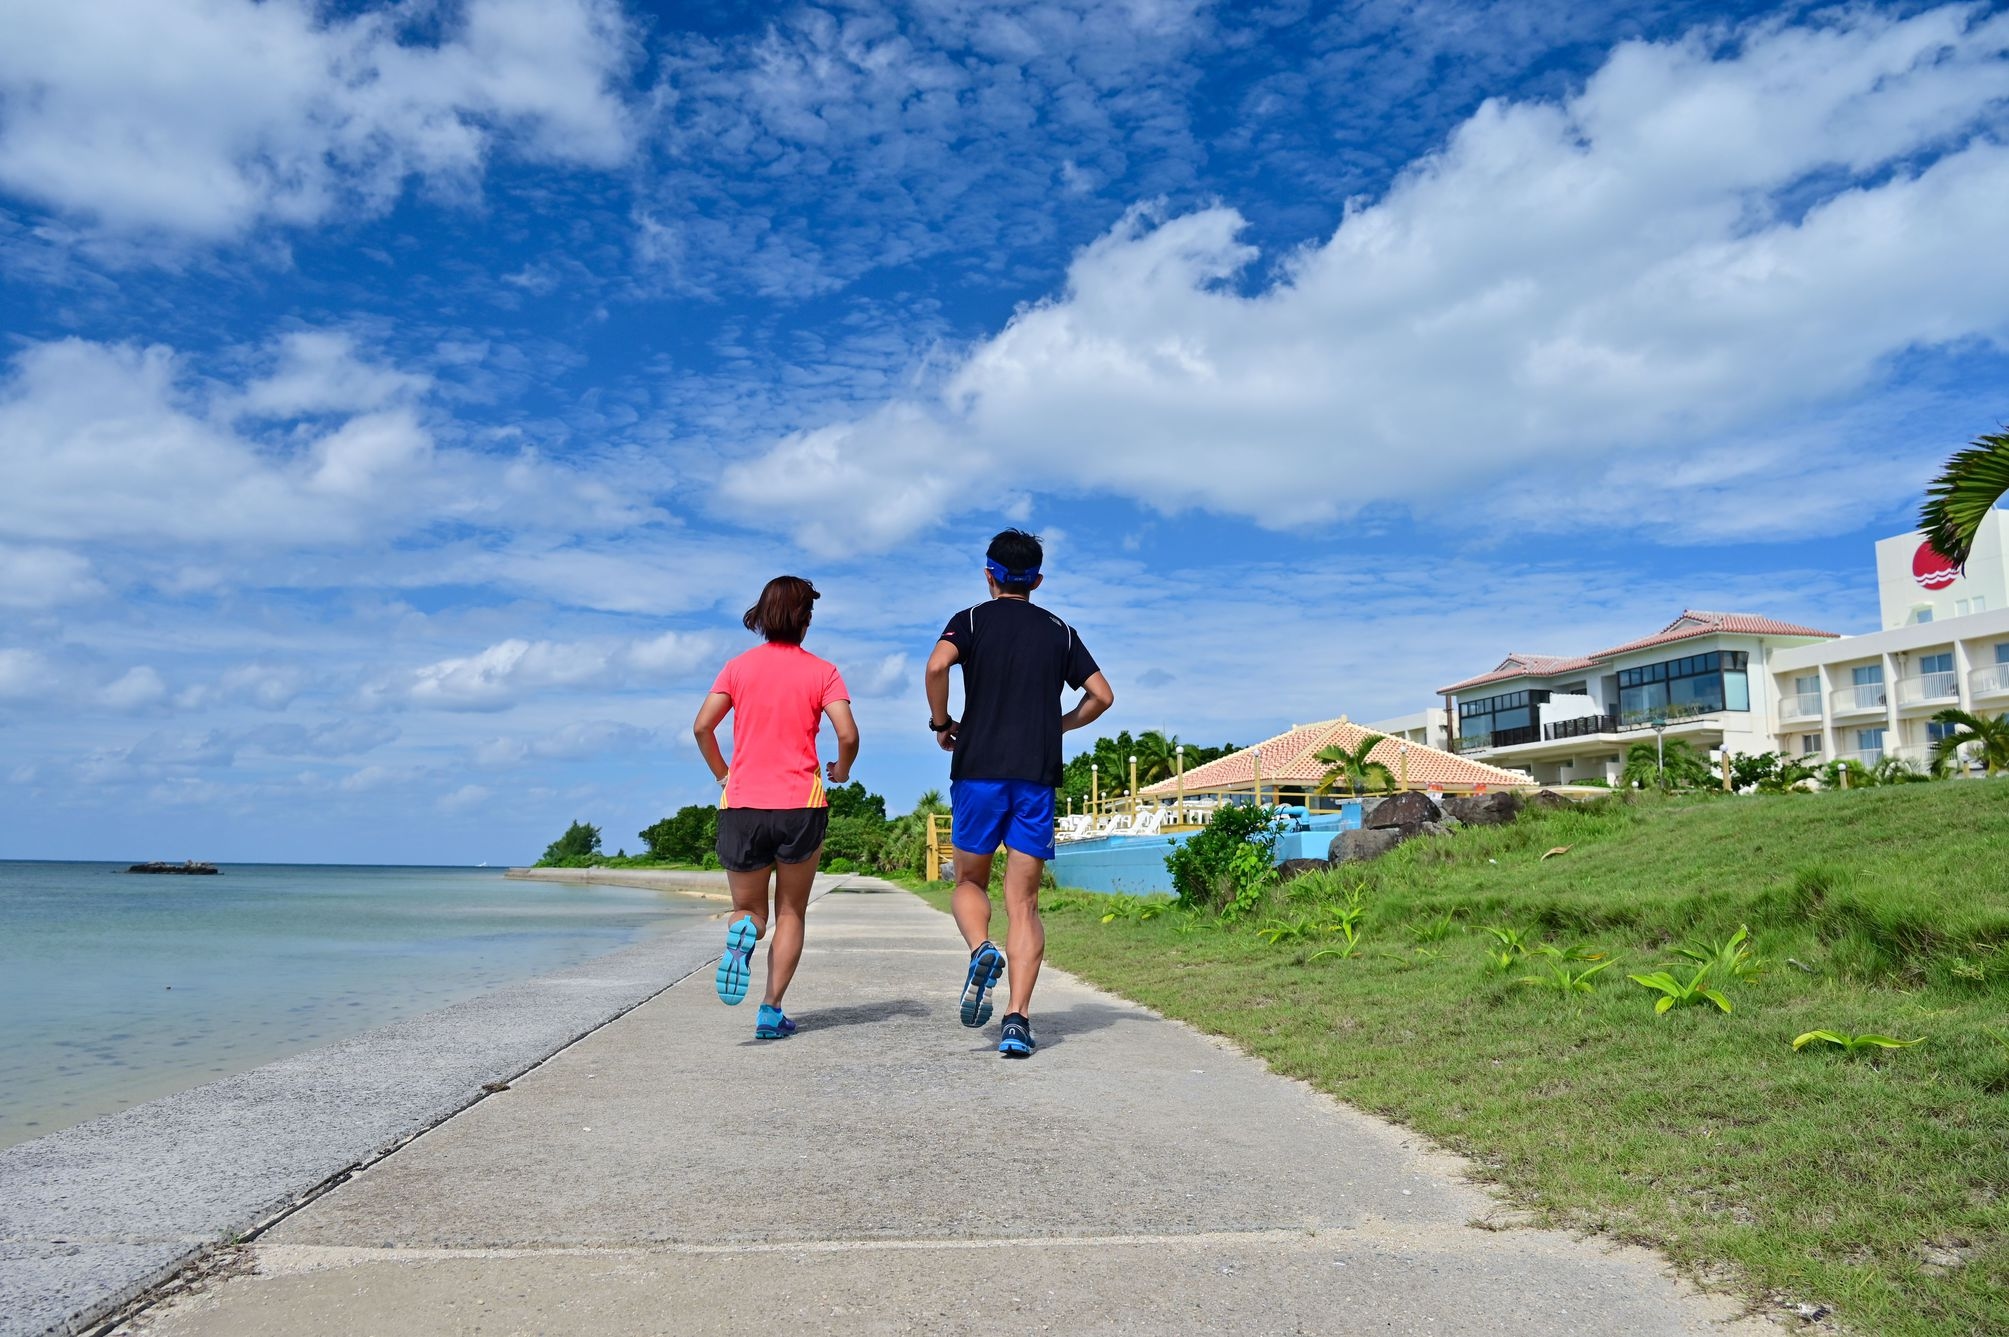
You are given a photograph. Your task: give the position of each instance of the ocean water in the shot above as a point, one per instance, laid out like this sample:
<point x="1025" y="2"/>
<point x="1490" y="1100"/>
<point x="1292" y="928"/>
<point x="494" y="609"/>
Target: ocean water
<point x="116" y="987"/>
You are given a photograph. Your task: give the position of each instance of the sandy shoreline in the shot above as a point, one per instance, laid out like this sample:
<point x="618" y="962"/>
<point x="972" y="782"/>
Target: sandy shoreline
<point x="691" y="882"/>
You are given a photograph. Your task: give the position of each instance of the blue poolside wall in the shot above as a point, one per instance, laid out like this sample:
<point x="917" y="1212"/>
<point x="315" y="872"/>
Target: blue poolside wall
<point x="1135" y="865"/>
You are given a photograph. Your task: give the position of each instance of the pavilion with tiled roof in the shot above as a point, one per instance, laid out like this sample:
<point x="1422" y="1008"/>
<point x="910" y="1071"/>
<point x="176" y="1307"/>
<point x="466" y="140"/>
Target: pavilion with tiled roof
<point x="1289" y="762"/>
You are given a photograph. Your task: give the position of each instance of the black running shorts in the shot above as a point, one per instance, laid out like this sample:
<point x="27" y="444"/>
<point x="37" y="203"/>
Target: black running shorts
<point x="750" y="839"/>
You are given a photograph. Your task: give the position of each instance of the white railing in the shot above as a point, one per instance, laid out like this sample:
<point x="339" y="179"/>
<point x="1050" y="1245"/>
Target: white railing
<point x="1992" y="680"/>
<point x="1867" y="757"/>
<point x="1800" y="706"/>
<point x="1858" y="697"/>
<point x="1927" y="687"/>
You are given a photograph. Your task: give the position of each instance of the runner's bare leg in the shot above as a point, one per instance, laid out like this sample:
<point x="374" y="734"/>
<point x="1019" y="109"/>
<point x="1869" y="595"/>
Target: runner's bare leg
<point x="971" y="900"/>
<point x="791" y="902"/>
<point x="749" y="897"/>
<point x="1025" y="935"/>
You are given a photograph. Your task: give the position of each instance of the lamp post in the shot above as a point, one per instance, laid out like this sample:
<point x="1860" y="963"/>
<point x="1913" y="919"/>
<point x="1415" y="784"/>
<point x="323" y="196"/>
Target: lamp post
<point x="1256" y="760"/>
<point x="1402" y="763"/>
<point x="1179" y="760"/>
<point x="1133" y="786"/>
<point x="1659" y="723"/>
<point x="1094" y="788"/>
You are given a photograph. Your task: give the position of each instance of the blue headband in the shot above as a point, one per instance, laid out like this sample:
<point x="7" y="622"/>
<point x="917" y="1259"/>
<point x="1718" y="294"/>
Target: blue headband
<point x="1004" y="575"/>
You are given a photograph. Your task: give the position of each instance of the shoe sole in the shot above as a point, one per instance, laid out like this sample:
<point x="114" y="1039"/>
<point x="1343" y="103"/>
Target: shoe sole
<point x="1011" y="1050"/>
<point x="983" y="977"/>
<point x="733" y="967"/>
<point x="770" y="1033"/>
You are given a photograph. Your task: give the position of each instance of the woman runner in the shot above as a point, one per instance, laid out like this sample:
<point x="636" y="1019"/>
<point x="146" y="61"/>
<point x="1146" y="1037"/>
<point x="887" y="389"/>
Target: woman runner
<point x="772" y="810"/>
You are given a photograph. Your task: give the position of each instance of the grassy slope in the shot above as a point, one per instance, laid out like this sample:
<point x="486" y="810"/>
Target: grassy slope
<point x="1808" y="1175"/>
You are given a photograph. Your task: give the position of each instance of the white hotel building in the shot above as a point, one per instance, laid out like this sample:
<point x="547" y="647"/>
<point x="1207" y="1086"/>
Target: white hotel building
<point x="1751" y="683"/>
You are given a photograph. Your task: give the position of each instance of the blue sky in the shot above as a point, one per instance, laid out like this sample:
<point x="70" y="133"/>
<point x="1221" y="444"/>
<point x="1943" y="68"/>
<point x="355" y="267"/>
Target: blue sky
<point x="399" y="403"/>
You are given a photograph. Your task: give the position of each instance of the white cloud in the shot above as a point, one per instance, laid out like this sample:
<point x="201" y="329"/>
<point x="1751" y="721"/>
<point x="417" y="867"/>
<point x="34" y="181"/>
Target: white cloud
<point x="36" y="577"/>
<point x="137" y="689"/>
<point x="509" y="671"/>
<point x="1693" y="250"/>
<point x="571" y="742"/>
<point x="121" y="443"/>
<point x="25" y="676"/>
<point x="205" y="118"/>
<point x="465" y="799"/>
<point x="323" y="371"/>
<point x="887" y="677"/>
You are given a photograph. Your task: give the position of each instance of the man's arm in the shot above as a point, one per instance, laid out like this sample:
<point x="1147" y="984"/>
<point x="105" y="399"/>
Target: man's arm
<point x="1096" y="697"/>
<point x="940" y="662"/>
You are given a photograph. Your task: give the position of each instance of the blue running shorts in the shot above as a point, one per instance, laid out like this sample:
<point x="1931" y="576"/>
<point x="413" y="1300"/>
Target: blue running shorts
<point x="1017" y="814"/>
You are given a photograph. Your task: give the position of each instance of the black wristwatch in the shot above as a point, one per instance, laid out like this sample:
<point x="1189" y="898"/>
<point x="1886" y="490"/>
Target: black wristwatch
<point x="943" y="727"/>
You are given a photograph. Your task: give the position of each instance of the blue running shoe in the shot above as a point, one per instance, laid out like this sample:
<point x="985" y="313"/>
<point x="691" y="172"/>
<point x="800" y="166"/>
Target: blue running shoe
<point x="772" y="1024"/>
<point x="986" y="964"/>
<point x="1017" y="1041"/>
<point x="732" y="967"/>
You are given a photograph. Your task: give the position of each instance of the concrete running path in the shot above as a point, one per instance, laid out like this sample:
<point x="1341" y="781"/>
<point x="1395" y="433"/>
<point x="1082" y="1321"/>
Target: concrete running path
<point x="885" y="1171"/>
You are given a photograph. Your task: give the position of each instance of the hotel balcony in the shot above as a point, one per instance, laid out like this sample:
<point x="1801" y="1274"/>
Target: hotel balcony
<point x="1583" y="726"/>
<point x="1937" y="690"/>
<point x="1800" y="706"/>
<point x="1859" y="699"/>
<point x="1990" y="681"/>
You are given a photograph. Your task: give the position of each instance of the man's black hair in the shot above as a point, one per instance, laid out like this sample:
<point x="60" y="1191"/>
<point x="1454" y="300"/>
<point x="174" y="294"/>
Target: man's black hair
<point x="1016" y="550"/>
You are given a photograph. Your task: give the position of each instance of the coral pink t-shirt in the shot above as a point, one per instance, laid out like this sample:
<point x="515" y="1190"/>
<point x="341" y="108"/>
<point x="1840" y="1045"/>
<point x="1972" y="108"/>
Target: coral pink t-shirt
<point x="779" y="693"/>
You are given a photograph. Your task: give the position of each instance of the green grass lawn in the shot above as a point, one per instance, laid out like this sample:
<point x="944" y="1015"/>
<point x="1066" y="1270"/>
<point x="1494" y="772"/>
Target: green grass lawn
<point x="1876" y="1184"/>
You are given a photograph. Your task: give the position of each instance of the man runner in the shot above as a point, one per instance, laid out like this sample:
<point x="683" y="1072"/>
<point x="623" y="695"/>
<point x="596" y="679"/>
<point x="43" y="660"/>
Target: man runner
<point x="1016" y="659"/>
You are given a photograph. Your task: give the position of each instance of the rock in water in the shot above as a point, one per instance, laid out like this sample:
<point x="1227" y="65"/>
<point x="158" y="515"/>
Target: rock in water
<point x="1400" y="810"/>
<point x="190" y="866"/>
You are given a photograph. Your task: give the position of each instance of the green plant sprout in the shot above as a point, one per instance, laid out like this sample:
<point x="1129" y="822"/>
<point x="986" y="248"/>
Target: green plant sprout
<point x="1350" y="943"/>
<point x="1732" y="957"/>
<point x="1854" y="1044"/>
<point x="1434" y="929"/>
<point x="1566" y="981"/>
<point x="1694" y="992"/>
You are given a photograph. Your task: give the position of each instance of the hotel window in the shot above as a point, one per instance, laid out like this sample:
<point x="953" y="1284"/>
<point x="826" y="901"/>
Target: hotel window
<point x="1480" y="720"/>
<point x="1692" y="685"/>
<point x="2002" y="652"/>
<point x="1869" y="740"/>
<point x="1867" y="675"/>
<point x="1809" y="744"/>
<point x="1936" y="730"/>
<point x="1960" y="608"/>
<point x="1939" y="663"/>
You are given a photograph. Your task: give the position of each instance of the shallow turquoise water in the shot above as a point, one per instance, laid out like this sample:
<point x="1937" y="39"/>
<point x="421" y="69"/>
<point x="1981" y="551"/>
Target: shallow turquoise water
<point x="117" y="987"/>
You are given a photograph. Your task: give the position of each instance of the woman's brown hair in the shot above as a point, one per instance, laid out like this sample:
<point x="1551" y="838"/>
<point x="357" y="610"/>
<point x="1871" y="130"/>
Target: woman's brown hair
<point x="783" y="611"/>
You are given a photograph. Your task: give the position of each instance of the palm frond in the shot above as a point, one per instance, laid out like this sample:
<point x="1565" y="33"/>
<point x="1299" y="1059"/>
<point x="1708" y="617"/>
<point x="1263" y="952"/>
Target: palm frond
<point x="1957" y="501"/>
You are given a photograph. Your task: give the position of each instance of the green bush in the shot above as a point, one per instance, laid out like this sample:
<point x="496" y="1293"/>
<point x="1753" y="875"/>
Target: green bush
<point x="840" y="866"/>
<point x="573" y="849"/>
<point x="685" y="836"/>
<point x="1203" y="868"/>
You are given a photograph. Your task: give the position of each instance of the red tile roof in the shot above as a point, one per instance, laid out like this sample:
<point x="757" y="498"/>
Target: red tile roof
<point x="1290" y="758"/>
<point x="1691" y="623"/>
<point x="1694" y="623"/>
<point x="1524" y="666"/>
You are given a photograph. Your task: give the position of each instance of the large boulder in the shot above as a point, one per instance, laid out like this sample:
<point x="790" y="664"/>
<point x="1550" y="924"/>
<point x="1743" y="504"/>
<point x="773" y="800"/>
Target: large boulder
<point x="1407" y="809"/>
<point x="1368" y="843"/>
<point x="1495" y="809"/>
<point x="1291" y="868"/>
<point x="1549" y="799"/>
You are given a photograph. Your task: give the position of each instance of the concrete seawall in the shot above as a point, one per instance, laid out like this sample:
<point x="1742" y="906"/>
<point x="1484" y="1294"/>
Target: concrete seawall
<point x="690" y="883"/>
<point x="95" y="1214"/>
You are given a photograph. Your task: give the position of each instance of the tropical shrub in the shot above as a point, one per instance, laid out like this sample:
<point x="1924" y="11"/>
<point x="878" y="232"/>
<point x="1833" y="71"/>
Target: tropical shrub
<point x="1692" y="992"/>
<point x="580" y="841"/>
<point x="1210" y="869"/>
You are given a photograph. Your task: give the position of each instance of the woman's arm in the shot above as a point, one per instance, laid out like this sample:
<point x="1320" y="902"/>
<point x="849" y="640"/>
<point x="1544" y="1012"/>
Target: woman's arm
<point x="847" y="740"/>
<point x="716" y="704"/>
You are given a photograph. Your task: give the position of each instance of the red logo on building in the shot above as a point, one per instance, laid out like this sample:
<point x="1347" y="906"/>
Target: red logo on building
<point x="1931" y="570"/>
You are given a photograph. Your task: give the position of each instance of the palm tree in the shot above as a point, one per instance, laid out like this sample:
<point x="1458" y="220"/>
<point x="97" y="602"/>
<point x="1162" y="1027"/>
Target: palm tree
<point x="1990" y="736"/>
<point x="1352" y="766"/>
<point x="1959" y="499"/>
<point x="1670" y="763"/>
<point x="1156" y="757"/>
<point x="1892" y="769"/>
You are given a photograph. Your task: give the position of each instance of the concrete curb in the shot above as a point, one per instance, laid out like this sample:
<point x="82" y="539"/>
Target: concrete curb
<point x="94" y="1216"/>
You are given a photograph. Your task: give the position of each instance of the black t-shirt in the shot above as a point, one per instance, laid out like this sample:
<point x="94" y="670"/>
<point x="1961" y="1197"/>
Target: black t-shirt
<point x="1015" y="658"/>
